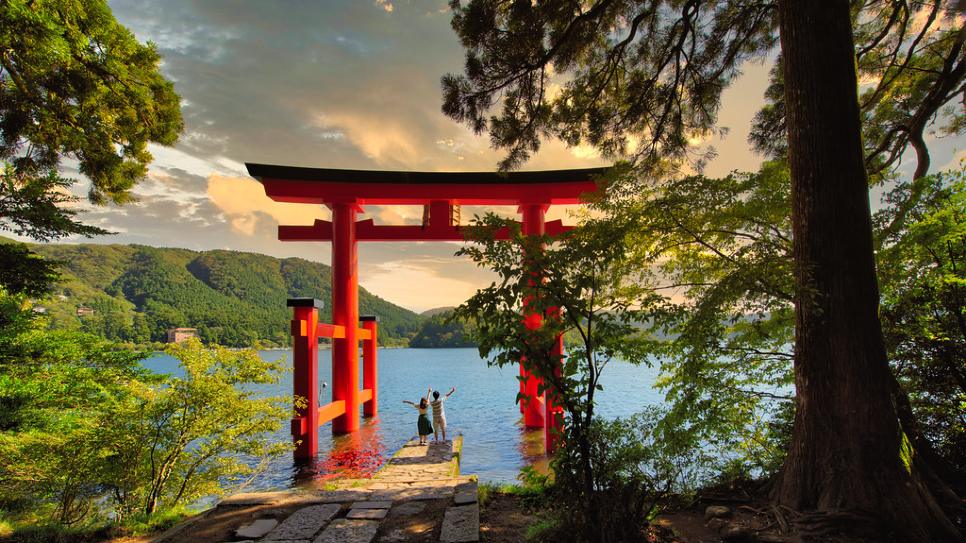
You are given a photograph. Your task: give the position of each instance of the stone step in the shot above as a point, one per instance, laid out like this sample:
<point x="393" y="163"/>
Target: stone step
<point x="256" y="529"/>
<point x="368" y="514"/>
<point x="304" y="523"/>
<point x="372" y="505"/>
<point x="349" y="531"/>
<point x="461" y="524"/>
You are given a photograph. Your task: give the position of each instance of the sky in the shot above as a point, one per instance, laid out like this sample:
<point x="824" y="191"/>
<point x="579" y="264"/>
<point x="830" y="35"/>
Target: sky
<point x="334" y="84"/>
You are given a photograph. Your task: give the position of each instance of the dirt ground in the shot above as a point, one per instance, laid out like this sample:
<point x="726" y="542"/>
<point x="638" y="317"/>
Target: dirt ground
<point x="503" y="520"/>
<point x="414" y="521"/>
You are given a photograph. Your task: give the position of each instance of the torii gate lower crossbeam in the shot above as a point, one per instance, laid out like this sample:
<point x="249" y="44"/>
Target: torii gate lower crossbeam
<point x="345" y="192"/>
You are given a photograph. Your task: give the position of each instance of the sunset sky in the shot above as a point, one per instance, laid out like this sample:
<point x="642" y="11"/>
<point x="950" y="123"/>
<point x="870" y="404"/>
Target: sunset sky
<point x="333" y="84"/>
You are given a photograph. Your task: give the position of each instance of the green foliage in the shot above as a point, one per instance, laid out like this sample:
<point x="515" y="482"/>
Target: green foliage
<point x="443" y="330"/>
<point x="141" y="524"/>
<point x="59" y="391"/>
<point x="38" y="206"/>
<point x="75" y="82"/>
<point x="86" y="430"/>
<point x="910" y="63"/>
<point x="721" y="253"/>
<point x="25" y="272"/>
<point x="635" y="467"/>
<point x="586" y="277"/>
<point x="232" y="298"/>
<point x="585" y="283"/>
<point x="183" y="441"/>
<point x="639" y="78"/>
<point x="922" y="263"/>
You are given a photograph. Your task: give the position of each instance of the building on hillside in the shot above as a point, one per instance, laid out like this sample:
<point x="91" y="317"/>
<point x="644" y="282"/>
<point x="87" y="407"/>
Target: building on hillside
<point x="39" y="309"/>
<point x="177" y="335"/>
<point x="85" y="311"/>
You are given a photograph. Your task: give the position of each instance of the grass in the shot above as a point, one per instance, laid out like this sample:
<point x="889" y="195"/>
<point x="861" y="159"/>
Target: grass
<point x="539" y="530"/>
<point x="37" y="527"/>
<point x="141" y="524"/>
<point x="530" y="497"/>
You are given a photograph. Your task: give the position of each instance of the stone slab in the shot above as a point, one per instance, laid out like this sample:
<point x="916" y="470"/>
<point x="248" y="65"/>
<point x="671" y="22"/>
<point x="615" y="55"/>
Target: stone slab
<point x="717" y="511"/>
<point x="304" y="523"/>
<point x="421" y="493"/>
<point x="372" y="505"/>
<point x="256" y="529"/>
<point x="466" y="493"/>
<point x="349" y="531"/>
<point x="343" y="496"/>
<point x="465" y="497"/>
<point x="370" y="514"/>
<point x="461" y="524"/>
<point x="408" y="508"/>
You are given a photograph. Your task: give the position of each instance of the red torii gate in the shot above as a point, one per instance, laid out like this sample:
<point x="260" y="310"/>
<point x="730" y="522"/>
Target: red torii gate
<point x="345" y="192"/>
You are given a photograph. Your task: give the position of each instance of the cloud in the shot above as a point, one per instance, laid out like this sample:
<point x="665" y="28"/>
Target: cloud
<point x="417" y="284"/>
<point x="242" y="199"/>
<point x="338" y="84"/>
<point x="383" y="140"/>
<point x="956" y="162"/>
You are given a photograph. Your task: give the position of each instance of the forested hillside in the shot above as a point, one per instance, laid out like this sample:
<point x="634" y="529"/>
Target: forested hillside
<point x="137" y="293"/>
<point x="436" y="331"/>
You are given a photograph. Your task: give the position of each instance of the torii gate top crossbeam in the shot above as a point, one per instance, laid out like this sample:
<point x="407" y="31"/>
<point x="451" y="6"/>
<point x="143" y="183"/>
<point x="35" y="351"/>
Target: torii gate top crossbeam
<point x="362" y="187"/>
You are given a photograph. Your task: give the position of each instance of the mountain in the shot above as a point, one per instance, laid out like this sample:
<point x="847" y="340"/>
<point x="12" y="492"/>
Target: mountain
<point x="437" y="311"/>
<point x="136" y="293"/>
<point x="437" y="332"/>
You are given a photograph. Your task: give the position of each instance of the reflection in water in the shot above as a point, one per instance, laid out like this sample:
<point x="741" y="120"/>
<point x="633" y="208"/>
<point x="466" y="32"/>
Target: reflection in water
<point x="531" y="447"/>
<point x="356" y="455"/>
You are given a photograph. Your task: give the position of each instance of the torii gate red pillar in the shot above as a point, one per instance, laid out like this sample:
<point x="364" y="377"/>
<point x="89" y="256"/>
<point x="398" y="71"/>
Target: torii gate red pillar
<point x="345" y="313"/>
<point x="534" y="224"/>
<point x="305" y="377"/>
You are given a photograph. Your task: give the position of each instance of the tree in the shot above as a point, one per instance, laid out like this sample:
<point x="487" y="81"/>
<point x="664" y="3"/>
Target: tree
<point x="581" y="284"/>
<point x="59" y="392"/>
<point x="643" y="77"/>
<point x="443" y="330"/>
<point x="723" y="256"/>
<point x="73" y="83"/>
<point x="911" y="61"/>
<point x="922" y="269"/>
<point x="34" y="206"/>
<point x="188" y="439"/>
<point x="843" y="386"/>
<point x="82" y="423"/>
<point x="720" y="255"/>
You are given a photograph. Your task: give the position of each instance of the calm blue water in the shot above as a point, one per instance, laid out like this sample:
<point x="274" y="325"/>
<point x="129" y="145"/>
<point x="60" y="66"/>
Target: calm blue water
<point x="495" y="444"/>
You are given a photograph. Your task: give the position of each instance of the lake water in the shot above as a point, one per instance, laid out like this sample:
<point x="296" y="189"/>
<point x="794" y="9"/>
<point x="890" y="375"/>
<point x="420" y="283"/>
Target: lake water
<point x="495" y="444"/>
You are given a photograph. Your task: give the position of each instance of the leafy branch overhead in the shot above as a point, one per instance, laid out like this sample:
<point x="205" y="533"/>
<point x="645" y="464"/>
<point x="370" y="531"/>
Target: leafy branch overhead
<point x="643" y="79"/>
<point x="911" y="62"/>
<point x="75" y="83"/>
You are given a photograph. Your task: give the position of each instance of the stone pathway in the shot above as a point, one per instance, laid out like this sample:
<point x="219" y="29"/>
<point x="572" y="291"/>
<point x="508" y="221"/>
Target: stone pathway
<point x="417" y="496"/>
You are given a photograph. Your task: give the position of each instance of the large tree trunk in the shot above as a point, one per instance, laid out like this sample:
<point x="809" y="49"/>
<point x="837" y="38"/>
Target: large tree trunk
<point x="847" y="452"/>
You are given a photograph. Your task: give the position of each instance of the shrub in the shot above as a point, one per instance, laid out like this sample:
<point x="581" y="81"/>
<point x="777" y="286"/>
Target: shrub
<point x="633" y="470"/>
